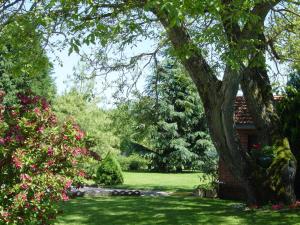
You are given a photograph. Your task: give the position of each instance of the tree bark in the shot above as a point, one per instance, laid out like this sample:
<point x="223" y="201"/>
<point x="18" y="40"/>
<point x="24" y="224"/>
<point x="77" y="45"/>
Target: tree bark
<point x="260" y="102"/>
<point x="259" y="98"/>
<point x="218" y="98"/>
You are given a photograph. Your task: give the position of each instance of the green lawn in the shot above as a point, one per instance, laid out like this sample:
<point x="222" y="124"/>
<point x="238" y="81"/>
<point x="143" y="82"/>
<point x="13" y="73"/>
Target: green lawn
<point x="161" y="181"/>
<point x="181" y="210"/>
<point x="168" y="211"/>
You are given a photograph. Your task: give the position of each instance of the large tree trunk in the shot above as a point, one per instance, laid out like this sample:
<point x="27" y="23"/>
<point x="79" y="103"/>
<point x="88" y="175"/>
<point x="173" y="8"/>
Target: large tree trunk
<point x="220" y="119"/>
<point x="218" y="98"/>
<point x="258" y="94"/>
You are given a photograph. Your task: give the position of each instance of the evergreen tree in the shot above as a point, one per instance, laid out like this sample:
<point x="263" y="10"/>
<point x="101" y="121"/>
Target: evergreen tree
<point x="181" y="137"/>
<point x="23" y="62"/>
<point x="41" y="84"/>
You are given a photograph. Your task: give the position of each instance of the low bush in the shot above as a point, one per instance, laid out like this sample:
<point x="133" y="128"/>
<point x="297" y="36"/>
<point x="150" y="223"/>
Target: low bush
<point x="134" y="162"/>
<point x="109" y="172"/>
<point x="124" y="162"/>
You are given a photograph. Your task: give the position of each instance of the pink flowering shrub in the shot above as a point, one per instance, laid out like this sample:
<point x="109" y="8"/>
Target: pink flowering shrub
<point x="277" y="206"/>
<point x="38" y="161"/>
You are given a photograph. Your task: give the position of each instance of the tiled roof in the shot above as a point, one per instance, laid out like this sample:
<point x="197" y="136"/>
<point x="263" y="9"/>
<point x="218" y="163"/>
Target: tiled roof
<point x="241" y="112"/>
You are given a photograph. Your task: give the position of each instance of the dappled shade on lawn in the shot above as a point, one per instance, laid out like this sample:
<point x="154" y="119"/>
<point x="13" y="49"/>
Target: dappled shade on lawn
<point x="167" y="210"/>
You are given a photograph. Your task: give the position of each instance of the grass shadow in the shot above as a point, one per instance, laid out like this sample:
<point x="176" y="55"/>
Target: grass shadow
<point x="166" y="210"/>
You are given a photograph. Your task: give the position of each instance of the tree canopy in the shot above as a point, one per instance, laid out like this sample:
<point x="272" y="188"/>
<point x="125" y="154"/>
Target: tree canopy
<point x="90" y="118"/>
<point x="221" y="44"/>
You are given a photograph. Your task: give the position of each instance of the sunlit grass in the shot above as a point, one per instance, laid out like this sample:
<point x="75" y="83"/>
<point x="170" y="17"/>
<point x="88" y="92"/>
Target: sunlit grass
<point x="158" y="181"/>
<point x="161" y="181"/>
<point x="167" y="210"/>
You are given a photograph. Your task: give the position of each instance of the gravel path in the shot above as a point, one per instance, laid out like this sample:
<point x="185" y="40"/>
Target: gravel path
<point x="96" y="191"/>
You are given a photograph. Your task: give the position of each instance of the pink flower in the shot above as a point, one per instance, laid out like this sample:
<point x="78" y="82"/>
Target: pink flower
<point x="53" y="119"/>
<point x="20" y="138"/>
<point x="24" y="186"/>
<point x="76" y="152"/>
<point x="84" y="151"/>
<point x="256" y="146"/>
<point x="13" y="114"/>
<point x="22" y="197"/>
<point x="40" y="129"/>
<point x="5" y="215"/>
<point x="79" y="135"/>
<point x="25" y="177"/>
<point x="2" y="141"/>
<point x="50" y="151"/>
<point x="27" y="205"/>
<point x="277" y="206"/>
<point x="25" y="100"/>
<point x="7" y="139"/>
<point x="17" y="162"/>
<point x="45" y="104"/>
<point x="38" y="196"/>
<point x="64" y="196"/>
<point x="50" y="163"/>
<point x="81" y="173"/>
<point x="37" y="111"/>
<point x="295" y="205"/>
<point x="33" y="167"/>
<point x="68" y="184"/>
<point x="36" y="99"/>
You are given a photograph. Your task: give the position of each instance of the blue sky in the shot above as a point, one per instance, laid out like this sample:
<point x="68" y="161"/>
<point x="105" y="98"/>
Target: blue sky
<point x="69" y="62"/>
<point x="61" y="72"/>
<point x="65" y="67"/>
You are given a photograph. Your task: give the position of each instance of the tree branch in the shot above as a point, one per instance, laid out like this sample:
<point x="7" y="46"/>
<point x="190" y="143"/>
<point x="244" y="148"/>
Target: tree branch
<point x="190" y="55"/>
<point x="262" y="9"/>
<point x="231" y="27"/>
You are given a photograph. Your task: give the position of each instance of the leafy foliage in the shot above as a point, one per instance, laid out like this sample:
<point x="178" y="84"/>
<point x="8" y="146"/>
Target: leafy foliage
<point x="134" y="162"/>
<point x="168" y="124"/>
<point x="23" y="62"/>
<point x="38" y="161"/>
<point x="289" y="111"/>
<point x="109" y="172"/>
<point x="282" y="158"/>
<point x="20" y="48"/>
<point x="95" y="121"/>
<point x="133" y="121"/>
<point x="181" y="137"/>
<point x="41" y="84"/>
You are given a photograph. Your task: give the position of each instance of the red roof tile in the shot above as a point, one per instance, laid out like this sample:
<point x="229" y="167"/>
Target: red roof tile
<point x="241" y="112"/>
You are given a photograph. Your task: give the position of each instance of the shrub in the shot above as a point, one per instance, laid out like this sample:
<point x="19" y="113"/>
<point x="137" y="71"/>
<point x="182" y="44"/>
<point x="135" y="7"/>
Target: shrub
<point x="124" y="162"/>
<point x="38" y="161"/>
<point x="134" y="162"/>
<point x="109" y="172"/>
<point x="137" y="162"/>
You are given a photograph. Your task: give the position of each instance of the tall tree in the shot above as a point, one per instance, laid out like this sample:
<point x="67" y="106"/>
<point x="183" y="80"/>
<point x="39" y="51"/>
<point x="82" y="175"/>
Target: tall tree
<point x="181" y="134"/>
<point x="23" y="61"/>
<point x="235" y="32"/>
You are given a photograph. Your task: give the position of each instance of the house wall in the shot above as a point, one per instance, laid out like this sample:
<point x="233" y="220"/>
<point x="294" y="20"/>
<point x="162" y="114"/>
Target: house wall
<point x="229" y="187"/>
